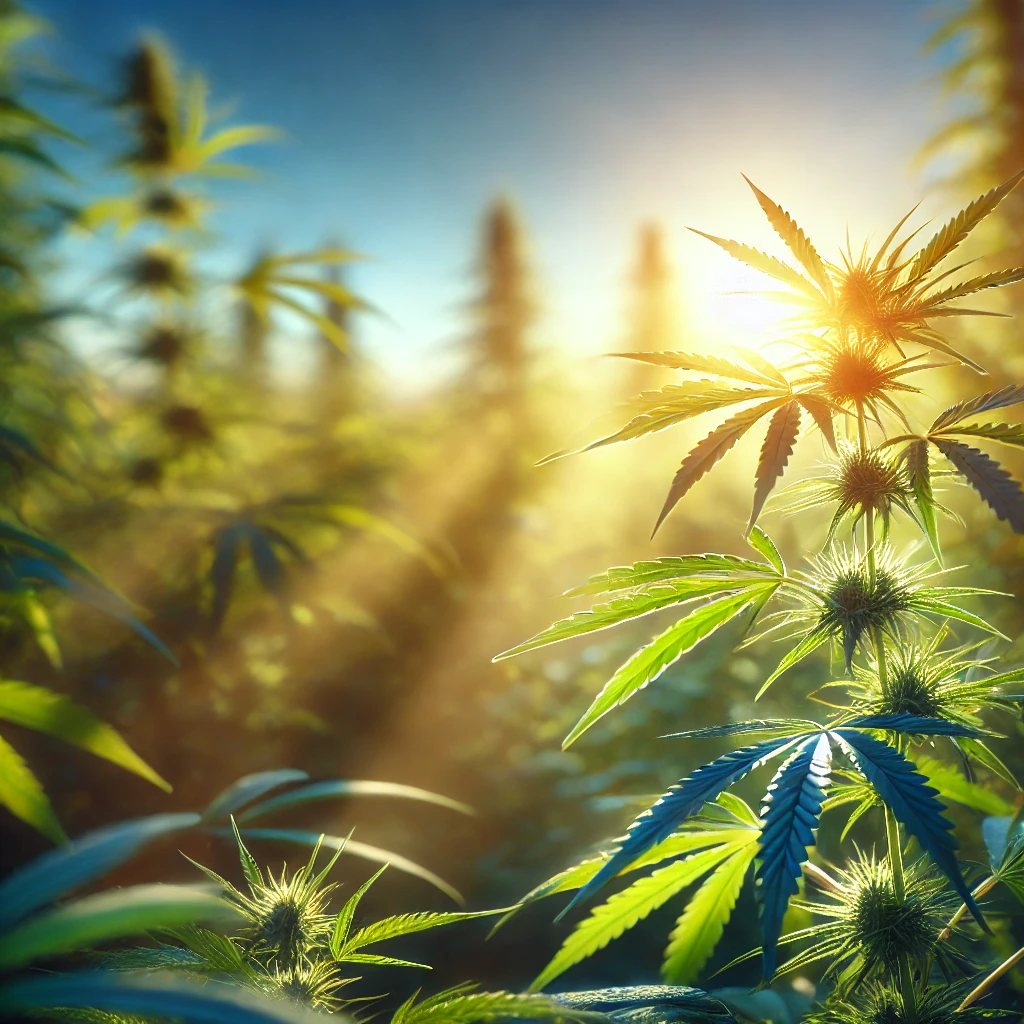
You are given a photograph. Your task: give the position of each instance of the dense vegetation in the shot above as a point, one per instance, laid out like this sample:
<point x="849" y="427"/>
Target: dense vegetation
<point x="236" y="596"/>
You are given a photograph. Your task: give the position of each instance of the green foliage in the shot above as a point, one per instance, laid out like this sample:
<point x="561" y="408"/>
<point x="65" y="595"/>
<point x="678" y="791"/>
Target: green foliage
<point x="34" y="932"/>
<point x="287" y="944"/>
<point x="880" y="922"/>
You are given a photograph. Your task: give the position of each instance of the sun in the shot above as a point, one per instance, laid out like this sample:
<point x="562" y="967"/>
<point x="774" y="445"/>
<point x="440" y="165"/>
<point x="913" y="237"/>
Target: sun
<point x="735" y="303"/>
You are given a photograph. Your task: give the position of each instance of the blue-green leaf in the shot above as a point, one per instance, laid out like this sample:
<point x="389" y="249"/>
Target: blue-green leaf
<point x="907" y="794"/>
<point x="681" y="801"/>
<point x="767" y="725"/>
<point x="81" y="861"/>
<point x="40" y="571"/>
<point x="268" y="566"/>
<point x="150" y="995"/>
<point x="916" y="725"/>
<point x="91" y="920"/>
<point x="248" y="788"/>
<point x="225" y="561"/>
<point x="334" y="788"/>
<point x="791" y="813"/>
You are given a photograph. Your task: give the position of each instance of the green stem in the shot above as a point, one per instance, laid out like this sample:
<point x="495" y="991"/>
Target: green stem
<point x="986" y="986"/>
<point x="892" y="836"/>
<point x="892" y="827"/>
<point x="984" y="887"/>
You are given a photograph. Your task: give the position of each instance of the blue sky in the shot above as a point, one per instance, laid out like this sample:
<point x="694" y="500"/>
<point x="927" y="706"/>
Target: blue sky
<point x="404" y="118"/>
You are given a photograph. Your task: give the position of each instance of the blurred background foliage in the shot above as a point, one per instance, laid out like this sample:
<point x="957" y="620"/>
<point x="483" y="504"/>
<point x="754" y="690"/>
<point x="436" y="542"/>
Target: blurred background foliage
<point x="332" y="564"/>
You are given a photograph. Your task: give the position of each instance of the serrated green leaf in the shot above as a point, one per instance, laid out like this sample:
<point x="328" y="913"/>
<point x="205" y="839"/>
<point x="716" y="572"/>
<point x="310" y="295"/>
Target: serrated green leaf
<point x="676" y="403"/>
<point x="919" y="478"/>
<point x="765" y="264"/>
<point x="701" y="363"/>
<point x="343" y="922"/>
<point x="408" y="924"/>
<point x="650" y="598"/>
<point x="250" y="868"/>
<point x="650" y="661"/>
<point x="952" y="784"/>
<point x="778" y="446"/>
<point x="622" y="911"/>
<point x="957" y="229"/>
<point x="700" y="927"/>
<point x="790" y="232"/>
<point x="810" y="643"/>
<point x="710" y="450"/>
<point x="764" y="545"/>
<point x="627" y="577"/>
<point x="462" y="1005"/>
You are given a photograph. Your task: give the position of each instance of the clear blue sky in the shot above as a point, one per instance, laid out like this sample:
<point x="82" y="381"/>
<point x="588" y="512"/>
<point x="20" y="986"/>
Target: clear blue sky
<point x="404" y="117"/>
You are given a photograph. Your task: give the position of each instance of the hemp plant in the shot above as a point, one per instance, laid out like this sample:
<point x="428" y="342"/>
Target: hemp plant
<point x="897" y="937"/>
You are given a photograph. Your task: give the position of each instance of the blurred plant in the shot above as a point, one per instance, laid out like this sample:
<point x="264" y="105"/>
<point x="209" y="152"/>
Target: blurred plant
<point x="983" y="138"/>
<point x="498" y="348"/>
<point x="40" y="709"/>
<point x="882" y="918"/>
<point x="195" y="455"/>
<point x="277" y="280"/>
<point x="39" y="379"/>
<point x="29" y="565"/>
<point x="651" y="326"/>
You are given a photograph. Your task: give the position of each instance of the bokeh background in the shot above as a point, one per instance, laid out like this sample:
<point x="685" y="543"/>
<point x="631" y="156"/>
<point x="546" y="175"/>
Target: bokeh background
<point x="364" y="340"/>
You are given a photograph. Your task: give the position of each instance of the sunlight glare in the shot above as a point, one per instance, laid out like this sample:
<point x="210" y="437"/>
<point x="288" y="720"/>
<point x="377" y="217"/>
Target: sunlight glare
<point x="735" y="303"/>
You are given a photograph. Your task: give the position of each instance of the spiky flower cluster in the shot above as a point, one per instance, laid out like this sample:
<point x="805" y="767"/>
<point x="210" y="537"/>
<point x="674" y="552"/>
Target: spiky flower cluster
<point x="880" y="1004"/>
<point x="285" y="917"/>
<point x="868" y="482"/>
<point x="852" y="371"/>
<point x="882" y="925"/>
<point x="872" y="925"/>
<point x="314" y="985"/>
<point x="859" y="600"/>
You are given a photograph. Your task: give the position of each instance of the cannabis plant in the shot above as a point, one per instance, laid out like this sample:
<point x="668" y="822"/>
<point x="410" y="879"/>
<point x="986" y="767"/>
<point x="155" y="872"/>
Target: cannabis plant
<point x="897" y="931"/>
<point x="40" y="926"/>
<point x="287" y="945"/>
<point x="211" y="448"/>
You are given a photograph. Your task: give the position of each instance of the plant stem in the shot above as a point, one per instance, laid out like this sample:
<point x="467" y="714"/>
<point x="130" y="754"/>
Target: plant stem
<point x="985" y="987"/>
<point x="984" y="887"/>
<point x="892" y="835"/>
<point x="892" y="826"/>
